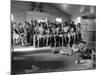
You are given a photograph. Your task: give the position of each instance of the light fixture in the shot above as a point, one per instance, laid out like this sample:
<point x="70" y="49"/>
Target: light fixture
<point x="12" y="17"/>
<point x="65" y="6"/>
<point x="58" y="20"/>
<point x="78" y="19"/>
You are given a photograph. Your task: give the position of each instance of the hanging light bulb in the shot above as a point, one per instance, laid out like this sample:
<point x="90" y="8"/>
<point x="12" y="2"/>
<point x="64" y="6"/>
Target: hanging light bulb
<point x="78" y="19"/>
<point x="58" y="20"/>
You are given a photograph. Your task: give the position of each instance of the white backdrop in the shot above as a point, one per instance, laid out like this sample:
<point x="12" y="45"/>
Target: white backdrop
<point x="5" y="37"/>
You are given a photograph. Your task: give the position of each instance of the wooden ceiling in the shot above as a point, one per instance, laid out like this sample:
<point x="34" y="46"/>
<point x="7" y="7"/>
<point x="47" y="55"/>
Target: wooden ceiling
<point x="71" y="9"/>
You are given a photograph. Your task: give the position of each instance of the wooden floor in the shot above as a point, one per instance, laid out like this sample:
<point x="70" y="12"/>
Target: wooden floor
<point x="44" y="61"/>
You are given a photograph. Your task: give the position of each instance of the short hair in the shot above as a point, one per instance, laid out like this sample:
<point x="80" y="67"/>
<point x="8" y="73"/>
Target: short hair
<point x="83" y="42"/>
<point x="19" y="24"/>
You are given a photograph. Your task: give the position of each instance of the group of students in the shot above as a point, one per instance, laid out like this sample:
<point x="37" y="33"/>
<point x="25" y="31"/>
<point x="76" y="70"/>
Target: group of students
<point x="41" y="34"/>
